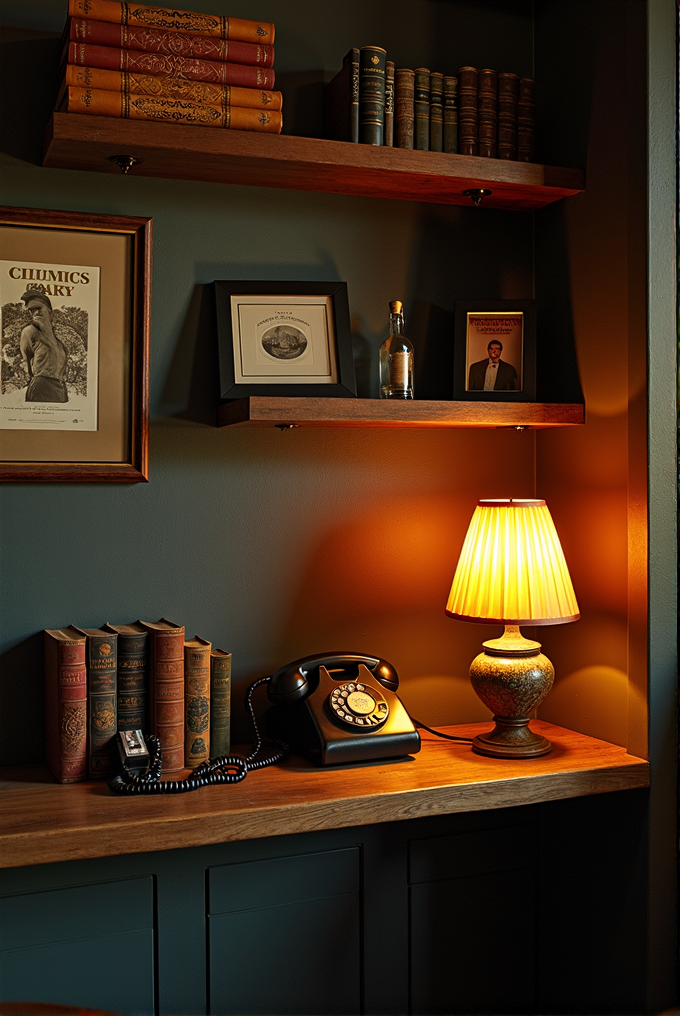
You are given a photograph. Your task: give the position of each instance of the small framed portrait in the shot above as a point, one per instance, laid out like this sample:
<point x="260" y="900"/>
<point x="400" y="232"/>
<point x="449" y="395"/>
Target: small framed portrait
<point x="284" y="338"/>
<point x="495" y="351"/>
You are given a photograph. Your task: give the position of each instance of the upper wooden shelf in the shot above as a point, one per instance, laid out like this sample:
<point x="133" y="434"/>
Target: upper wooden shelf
<point x="271" y="411"/>
<point x="78" y="141"/>
<point x="44" y="822"/>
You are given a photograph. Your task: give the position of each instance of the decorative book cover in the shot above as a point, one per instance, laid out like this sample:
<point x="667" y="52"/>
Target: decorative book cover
<point x="220" y="702"/>
<point x="66" y="704"/>
<point x="436" y="112"/>
<point x="389" y="104"/>
<point x="150" y="40"/>
<point x="372" y="60"/>
<point x="421" y="109"/>
<point x="166" y="669"/>
<point x="166" y="110"/>
<point x="212" y="25"/>
<point x="467" y="111"/>
<point x="133" y="675"/>
<point x="450" y="114"/>
<point x="508" y="88"/>
<point x="171" y="88"/>
<point x="341" y="101"/>
<point x="102" y="667"/>
<point x="526" y="115"/>
<point x="487" y="110"/>
<point x="403" y="107"/>
<point x="83" y="54"/>
<point x="196" y="701"/>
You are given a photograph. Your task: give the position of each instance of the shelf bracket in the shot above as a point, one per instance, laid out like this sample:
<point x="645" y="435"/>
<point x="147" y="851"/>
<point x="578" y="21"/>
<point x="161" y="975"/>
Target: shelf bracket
<point x="125" y="162"/>
<point x="476" y="194"/>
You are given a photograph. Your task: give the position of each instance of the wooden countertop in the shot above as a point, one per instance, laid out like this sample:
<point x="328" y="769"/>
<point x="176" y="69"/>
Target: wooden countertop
<point x="43" y="822"/>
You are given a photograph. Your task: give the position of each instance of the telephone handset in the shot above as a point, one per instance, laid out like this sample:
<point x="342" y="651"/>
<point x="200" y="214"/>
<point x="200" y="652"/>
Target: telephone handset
<point x="341" y="707"/>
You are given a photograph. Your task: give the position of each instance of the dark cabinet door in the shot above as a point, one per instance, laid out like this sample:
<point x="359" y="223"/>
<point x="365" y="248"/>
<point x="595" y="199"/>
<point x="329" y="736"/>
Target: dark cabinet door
<point x="284" y="935"/>
<point x="87" y="945"/>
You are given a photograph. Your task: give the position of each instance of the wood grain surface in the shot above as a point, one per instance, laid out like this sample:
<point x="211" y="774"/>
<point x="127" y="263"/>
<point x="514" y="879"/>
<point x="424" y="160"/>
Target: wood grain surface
<point x="270" y="411"/>
<point x="180" y="152"/>
<point x="45" y="822"/>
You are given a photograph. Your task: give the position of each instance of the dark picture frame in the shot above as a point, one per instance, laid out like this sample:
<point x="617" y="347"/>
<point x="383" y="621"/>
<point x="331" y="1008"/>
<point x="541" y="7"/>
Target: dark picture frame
<point x="115" y="447"/>
<point x="284" y="338"/>
<point x="478" y="324"/>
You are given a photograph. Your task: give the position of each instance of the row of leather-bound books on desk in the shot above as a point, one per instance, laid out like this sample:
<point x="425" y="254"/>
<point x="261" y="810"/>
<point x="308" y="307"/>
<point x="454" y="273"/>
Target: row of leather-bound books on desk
<point x="140" y="676"/>
<point x="154" y="63"/>
<point x="469" y="112"/>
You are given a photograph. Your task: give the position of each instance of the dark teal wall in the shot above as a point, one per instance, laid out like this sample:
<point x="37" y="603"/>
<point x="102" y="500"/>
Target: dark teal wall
<point x="270" y="544"/>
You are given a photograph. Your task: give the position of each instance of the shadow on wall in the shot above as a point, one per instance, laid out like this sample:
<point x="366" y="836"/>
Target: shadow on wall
<point x="22" y="706"/>
<point x="24" y="118"/>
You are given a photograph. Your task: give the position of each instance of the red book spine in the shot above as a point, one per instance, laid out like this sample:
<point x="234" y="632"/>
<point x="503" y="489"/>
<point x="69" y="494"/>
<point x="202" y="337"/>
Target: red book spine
<point x="153" y="40"/>
<point x="65" y="706"/>
<point x="82" y="54"/>
<point x="167" y="691"/>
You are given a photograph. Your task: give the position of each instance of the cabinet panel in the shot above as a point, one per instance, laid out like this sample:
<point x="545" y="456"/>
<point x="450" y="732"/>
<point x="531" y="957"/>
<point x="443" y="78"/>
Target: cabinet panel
<point x="297" y="949"/>
<point x="75" y="938"/>
<point x="473" y="944"/>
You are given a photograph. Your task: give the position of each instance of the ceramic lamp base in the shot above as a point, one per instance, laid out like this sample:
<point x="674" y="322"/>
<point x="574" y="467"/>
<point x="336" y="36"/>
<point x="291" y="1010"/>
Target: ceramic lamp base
<point x="511" y="677"/>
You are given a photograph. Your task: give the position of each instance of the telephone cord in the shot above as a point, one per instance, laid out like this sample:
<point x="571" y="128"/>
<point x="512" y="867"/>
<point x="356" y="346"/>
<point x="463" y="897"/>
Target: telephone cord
<point x="214" y="771"/>
<point x="438" y="733"/>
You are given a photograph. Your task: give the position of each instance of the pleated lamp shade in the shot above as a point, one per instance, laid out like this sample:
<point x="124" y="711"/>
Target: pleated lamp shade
<point x="512" y="569"/>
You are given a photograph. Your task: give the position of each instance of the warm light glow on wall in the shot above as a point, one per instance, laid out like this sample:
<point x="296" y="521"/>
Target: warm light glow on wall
<point x="512" y="569"/>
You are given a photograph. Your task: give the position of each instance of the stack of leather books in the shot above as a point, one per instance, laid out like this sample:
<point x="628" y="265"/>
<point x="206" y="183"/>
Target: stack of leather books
<point x="136" y="62"/>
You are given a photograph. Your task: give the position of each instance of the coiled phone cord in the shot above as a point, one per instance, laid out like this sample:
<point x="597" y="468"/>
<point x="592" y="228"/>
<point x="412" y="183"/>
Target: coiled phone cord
<point x="223" y="769"/>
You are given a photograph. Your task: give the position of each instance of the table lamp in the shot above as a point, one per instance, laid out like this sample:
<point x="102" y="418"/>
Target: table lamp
<point x="512" y="571"/>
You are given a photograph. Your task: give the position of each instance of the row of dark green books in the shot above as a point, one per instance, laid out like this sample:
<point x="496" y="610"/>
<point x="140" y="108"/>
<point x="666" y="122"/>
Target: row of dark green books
<point x="140" y="676"/>
<point x="472" y="112"/>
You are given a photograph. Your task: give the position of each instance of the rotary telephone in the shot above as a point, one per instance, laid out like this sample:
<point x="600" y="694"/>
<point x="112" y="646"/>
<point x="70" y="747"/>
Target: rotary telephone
<point x="340" y="707"/>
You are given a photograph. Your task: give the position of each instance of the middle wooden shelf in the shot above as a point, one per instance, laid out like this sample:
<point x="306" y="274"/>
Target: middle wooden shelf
<point x="282" y="411"/>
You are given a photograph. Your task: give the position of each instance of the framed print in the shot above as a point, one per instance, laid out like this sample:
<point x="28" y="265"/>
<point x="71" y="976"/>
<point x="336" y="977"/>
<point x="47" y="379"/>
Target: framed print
<point x="495" y="351"/>
<point x="75" y="291"/>
<point x="284" y="338"/>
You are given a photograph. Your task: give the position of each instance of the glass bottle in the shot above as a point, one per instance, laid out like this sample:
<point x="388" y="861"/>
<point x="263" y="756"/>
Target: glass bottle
<point x="396" y="358"/>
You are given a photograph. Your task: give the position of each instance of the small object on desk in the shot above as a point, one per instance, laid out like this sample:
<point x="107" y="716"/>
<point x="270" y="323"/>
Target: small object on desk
<point x="396" y="358"/>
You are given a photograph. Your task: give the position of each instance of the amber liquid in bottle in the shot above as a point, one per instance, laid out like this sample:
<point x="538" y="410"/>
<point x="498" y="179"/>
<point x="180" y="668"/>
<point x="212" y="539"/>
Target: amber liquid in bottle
<point x="396" y="358"/>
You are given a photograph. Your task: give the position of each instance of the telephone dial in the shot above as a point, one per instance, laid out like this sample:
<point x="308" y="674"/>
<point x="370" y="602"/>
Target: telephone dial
<point x="340" y="707"/>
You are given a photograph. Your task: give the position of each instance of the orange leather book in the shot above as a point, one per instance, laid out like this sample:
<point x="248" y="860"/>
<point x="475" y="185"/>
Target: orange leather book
<point x="166" y="668"/>
<point x="205" y="92"/>
<point x="66" y="704"/>
<point x="196" y="701"/>
<point x="83" y="54"/>
<point x="166" y="110"/>
<point x="213" y="25"/>
<point x="103" y="33"/>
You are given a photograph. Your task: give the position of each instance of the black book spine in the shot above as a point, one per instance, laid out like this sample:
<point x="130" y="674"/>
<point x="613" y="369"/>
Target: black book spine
<point x="372" y="66"/>
<point x="451" y="114"/>
<point x="436" y="111"/>
<point x="133" y="676"/>
<point x="389" y="104"/>
<point x="421" y="109"/>
<point x="467" y="111"/>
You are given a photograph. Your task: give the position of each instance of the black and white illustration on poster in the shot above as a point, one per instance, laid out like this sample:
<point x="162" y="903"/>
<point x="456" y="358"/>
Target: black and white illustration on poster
<point x="50" y="346"/>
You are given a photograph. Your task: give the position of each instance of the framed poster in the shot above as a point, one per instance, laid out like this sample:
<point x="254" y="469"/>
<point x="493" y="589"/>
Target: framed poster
<point x="495" y="351"/>
<point x="74" y="379"/>
<point x="284" y="338"/>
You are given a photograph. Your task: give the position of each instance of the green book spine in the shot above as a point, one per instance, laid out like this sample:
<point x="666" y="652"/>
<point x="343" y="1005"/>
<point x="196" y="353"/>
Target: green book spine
<point x="220" y="702"/>
<point x="421" y="109"/>
<point x="403" y="107"/>
<point x="372" y="67"/>
<point x="436" y="111"/>
<point x="451" y="114"/>
<point x="133" y="675"/>
<point x="102" y="665"/>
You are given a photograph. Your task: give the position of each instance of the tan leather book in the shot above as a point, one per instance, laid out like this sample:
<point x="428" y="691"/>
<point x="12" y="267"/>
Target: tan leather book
<point x="196" y="701"/>
<point x="66" y="704"/>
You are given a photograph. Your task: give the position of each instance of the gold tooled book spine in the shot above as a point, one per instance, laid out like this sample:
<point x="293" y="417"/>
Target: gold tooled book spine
<point x="196" y="701"/>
